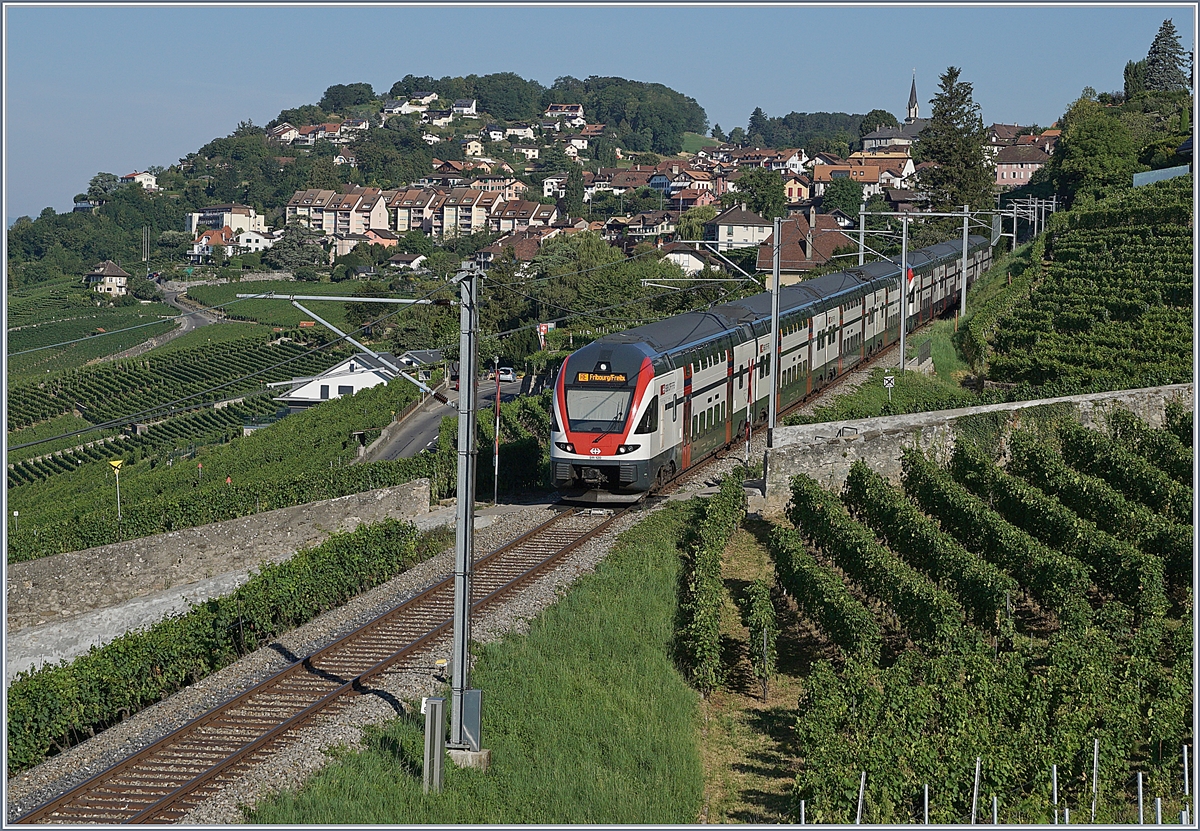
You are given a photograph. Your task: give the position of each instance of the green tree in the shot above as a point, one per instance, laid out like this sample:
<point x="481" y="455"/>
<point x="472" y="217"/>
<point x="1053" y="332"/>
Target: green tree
<point x="340" y="96"/>
<point x="718" y="133"/>
<point x="758" y="123"/>
<point x="1135" y="78"/>
<point x="573" y="198"/>
<point x="844" y="193"/>
<point x="1165" y="61"/>
<point x="692" y="221"/>
<point x="762" y="191"/>
<point x="874" y="120"/>
<point x="954" y="139"/>
<point x="101" y="185"/>
<point x="737" y="136"/>
<point x="1094" y="154"/>
<point x="296" y="247"/>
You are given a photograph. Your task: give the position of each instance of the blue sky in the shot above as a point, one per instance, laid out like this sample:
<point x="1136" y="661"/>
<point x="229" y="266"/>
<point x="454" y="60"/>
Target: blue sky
<point x="120" y="88"/>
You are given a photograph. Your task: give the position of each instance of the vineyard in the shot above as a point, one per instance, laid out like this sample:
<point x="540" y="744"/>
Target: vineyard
<point x="275" y="312"/>
<point x="1012" y="614"/>
<point x="123" y="389"/>
<point x="1106" y="304"/>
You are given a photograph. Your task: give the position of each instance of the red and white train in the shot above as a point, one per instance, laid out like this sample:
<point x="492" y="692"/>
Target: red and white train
<point x="633" y="409"/>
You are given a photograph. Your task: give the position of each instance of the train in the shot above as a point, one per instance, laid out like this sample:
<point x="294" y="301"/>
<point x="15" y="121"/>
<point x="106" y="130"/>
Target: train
<point x="633" y="409"/>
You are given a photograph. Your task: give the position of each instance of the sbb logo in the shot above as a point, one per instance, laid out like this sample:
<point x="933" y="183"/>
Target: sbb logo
<point x="595" y="451"/>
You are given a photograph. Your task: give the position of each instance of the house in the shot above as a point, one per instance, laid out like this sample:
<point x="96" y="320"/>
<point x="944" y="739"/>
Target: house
<point x="342" y="244"/>
<point x="797" y="189"/>
<point x="554" y="186"/>
<point x="550" y="126"/>
<point x="393" y="106"/>
<point x="284" y="133"/>
<point x="865" y="175"/>
<point x="204" y="246"/>
<point x="412" y="106"/>
<point x="430" y="138"/>
<point x="519" y="214"/>
<point x="1015" y="164"/>
<point x="471" y="147"/>
<point x="355" y="124"/>
<point x="529" y="151"/>
<point x="508" y="187"/>
<point x="437" y="118"/>
<point x="148" y="181"/>
<point x="342" y="158"/>
<point x="238" y="217"/>
<point x="381" y="236"/>
<point x="571" y="151"/>
<point x="692" y="198"/>
<point x="494" y="132"/>
<point x="464" y="211"/>
<point x="592" y="130"/>
<point x="737" y="227"/>
<point x="690" y="259"/>
<point x="252" y="241"/>
<point x="421" y="357"/>
<point x="464" y="107"/>
<point x="807" y="242"/>
<point x="521" y="131"/>
<point x="412" y="209"/>
<point x="108" y="278"/>
<point x="359" y="372"/>
<point x="409" y="261"/>
<point x="522" y="247"/>
<point x="424" y="97"/>
<point x="579" y="142"/>
<point x="905" y="135"/>
<point x="564" y="111"/>
<point x="651" y="224"/>
<point x="307" y="135"/>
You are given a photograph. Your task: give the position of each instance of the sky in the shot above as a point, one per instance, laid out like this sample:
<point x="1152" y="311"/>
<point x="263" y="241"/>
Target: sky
<point x="90" y="88"/>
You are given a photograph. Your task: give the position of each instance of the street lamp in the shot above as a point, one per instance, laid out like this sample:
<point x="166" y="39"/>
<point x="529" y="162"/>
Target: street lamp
<point x="116" y="466"/>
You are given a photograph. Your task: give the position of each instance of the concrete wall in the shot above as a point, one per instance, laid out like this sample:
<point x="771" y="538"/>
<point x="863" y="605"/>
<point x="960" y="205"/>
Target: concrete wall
<point x="66" y="585"/>
<point x="826" y="451"/>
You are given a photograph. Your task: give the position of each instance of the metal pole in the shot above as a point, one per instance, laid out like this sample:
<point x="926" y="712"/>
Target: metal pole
<point x="435" y="744"/>
<point x="1158" y="810"/>
<point x="496" y="449"/>
<point x="1095" y="773"/>
<point x="862" y="230"/>
<point x="801" y="811"/>
<point x="776" y="351"/>
<point x="926" y="803"/>
<point x="862" y="786"/>
<point x="1186" y="780"/>
<point x="962" y="298"/>
<point x="903" y="287"/>
<point x="464" y="537"/>
<point x="1054" y="785"/>
<point x="1141" y="816"/>
<point x="118" y="472"/>
<point x="995" y="810"/>
<point x="975" y="791"/>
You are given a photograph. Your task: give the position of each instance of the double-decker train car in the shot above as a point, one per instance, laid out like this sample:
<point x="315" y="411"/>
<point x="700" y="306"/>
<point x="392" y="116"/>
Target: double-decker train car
<point x="634" y="408"/>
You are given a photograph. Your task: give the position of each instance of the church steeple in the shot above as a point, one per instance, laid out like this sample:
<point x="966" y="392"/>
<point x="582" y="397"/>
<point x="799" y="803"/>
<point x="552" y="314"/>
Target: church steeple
<point x="912" y="99"/>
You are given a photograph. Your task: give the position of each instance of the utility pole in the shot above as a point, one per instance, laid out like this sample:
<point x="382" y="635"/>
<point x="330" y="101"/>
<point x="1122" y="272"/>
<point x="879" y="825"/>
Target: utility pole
<point x="774" y="355"/>
<point x="962" y="297"/>
<point x="496" y="437"/>
<point x="903" y="286"/>
<point x="464" y="725"/>
<point x="862" y="230"/>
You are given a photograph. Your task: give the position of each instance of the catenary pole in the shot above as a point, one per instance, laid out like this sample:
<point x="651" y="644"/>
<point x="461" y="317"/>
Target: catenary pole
<point x="773" y="357"/>
<point x="464" y="537"/>
<point x="962" y="299"/>
<point x="903" y="286"/>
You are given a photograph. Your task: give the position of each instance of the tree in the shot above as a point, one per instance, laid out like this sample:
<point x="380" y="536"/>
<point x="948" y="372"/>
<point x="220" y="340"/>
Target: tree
<point x="295" y="248"/>
<point x="1095" y="152"/>
<point x="737" y="136"/>
<point x="718" y="133"/>
<point x="101" y="185"/>
<point x="954" y="139"/>
<point x="1165" y="61"/>
<point x="573" y="192"/>
<point x="1135" y="78"/>
<point x="758" y="123"/>
<point x="691" y="222"/>
<point x="340" y="96"/>
<point x="844" y="193"/>
<point x="874" y="120"/>
<point x="762" y="191"/>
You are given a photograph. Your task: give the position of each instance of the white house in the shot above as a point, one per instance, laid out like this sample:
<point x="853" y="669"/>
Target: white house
<point x="108" y="278"/>
<point x="737" y="228"/>
<point x="464" y="106"/>
<point x="147" y="180"/>
<point x="523" y="131"/>
<point x="359" y="372"/>
<point x="256" y="240"/>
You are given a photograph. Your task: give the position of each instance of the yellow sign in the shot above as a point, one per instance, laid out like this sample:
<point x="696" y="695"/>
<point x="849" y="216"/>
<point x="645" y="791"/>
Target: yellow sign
<point x="116" y="463"/>
<point x="603" y="378"/>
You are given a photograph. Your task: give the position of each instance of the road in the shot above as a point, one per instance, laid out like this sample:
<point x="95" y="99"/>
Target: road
<point x="421" y="427"/>
<point x="192" y="321"/>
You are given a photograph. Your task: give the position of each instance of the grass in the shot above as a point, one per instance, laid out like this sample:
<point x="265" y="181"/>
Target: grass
<point x="221" y="332"/>
<point x="692" y="142"/>
<point x="586" y="716"/>
<point x="276" y="312"/>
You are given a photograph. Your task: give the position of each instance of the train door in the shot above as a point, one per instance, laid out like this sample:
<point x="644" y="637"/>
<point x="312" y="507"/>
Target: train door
<point x="812" y="360"/>
<point x="841" y="333"/>
<point x="686" y="447"/>
<point x="729" y="396"/>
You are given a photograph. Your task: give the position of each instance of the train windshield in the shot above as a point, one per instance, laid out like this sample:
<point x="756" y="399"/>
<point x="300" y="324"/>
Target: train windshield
<point x="597" y="410"/>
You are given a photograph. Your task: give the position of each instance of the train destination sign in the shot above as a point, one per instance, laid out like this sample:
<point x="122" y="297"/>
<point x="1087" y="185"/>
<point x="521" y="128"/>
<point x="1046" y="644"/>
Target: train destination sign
<point x="600" y="377"/>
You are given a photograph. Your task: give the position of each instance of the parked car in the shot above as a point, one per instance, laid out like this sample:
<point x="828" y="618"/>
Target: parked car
<point x="507" y="373"/>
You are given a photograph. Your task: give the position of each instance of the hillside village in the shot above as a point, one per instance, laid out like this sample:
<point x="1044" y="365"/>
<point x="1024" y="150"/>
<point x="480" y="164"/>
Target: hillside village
<point x="488" y="189"/>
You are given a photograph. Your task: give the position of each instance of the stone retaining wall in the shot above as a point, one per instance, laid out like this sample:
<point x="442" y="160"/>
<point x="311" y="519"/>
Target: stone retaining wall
<point x="60" y="587"/>
<point x="826" y="451"/>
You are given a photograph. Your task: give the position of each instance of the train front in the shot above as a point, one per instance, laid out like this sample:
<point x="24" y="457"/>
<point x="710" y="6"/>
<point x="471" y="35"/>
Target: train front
<point x="595" y="456"/>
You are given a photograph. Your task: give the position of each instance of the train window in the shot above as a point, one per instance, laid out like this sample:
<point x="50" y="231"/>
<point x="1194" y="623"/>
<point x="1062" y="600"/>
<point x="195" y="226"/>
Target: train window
<point x="724" y="415"/>
<point x="649" y="423"/>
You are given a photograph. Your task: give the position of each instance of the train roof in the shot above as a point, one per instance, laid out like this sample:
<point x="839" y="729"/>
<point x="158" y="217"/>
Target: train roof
<point x="668" y="335"/>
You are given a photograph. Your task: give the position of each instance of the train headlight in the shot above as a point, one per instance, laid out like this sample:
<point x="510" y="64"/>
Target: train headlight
<point x="627" y="448"/>
<point x="565" y="446"/>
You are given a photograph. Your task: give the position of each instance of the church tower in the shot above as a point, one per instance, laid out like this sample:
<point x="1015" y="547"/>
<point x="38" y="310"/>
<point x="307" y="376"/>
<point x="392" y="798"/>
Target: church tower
<point x="912" y="100"/>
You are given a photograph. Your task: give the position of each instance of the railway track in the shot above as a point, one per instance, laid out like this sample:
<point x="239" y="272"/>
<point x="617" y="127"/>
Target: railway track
<point x="164" y="781"/>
